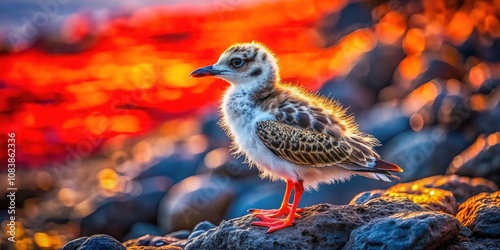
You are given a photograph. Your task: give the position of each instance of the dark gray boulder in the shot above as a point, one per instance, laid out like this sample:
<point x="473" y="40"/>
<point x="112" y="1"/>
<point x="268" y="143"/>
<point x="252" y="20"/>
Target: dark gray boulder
<point x="321" y="226"/>
<point x="407" y="230"/>
<point x="97" y="242"/>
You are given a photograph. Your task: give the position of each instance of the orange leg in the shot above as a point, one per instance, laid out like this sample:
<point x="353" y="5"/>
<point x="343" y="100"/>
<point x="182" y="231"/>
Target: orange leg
<point x="283" y="210"/>
<point x="277" y="224"/>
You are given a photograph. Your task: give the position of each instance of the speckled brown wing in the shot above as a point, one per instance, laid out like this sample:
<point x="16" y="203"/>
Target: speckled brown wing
<point x="300" y="114"/>
<point x="302" y="146"/>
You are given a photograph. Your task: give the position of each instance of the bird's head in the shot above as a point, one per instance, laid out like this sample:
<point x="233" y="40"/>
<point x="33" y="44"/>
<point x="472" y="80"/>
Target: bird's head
<point x="243" y="64"/>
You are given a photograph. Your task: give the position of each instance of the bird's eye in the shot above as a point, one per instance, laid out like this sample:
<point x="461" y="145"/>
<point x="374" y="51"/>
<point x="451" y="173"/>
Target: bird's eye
<point x="237" y="62"/>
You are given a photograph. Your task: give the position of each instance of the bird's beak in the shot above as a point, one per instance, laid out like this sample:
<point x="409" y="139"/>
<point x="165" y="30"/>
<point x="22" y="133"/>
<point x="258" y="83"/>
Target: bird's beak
<point x="205" y="71"/>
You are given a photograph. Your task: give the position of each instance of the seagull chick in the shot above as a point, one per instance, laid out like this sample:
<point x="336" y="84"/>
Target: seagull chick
<point x="290" y="134"/>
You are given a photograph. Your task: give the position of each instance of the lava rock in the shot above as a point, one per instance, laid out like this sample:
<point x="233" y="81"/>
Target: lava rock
<point x="150" y="240"/>
<point x="483" y="159"/>
<point x="195" y="199"/>
<point x="181" y="234"/>
<point x="204" y="225"/>
<point x="196" y="234"/>
<point x="74" y="244"/>
<point x="140" y="229"/>
<point x="350" y="93"/>
<point x="100" y="242"/>
<point x="169" y="167"/>
<point x="475" y="244"/>
<point x="462" y="187"/>
<point x="168" y="247"/>
<point x="408" y="230"/>
<point x="481" y="213"/>
<point x="321" y="226"/>
<point x="363" y="197"/>
<point x="117" y="216"/>
<point x="384" y="121"/>
<point x="415" y="152"/>
<point x="432" y="199"/>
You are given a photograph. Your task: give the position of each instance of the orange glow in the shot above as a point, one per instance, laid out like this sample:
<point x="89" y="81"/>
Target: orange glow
<point x="108" y="179"/>
<point x="414" y="41"/>
<point x="391" y="28"/>
<point x="410" y="67"/>
<point x="478" y="74"/>
<point x="478" y="102"/>
<point x="43" y="240"/>
<point x="67" y="197"/>
<point x="460" y="27"/>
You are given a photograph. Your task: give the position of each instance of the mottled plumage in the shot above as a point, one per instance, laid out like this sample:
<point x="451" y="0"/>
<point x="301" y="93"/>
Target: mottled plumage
<point x="287" y="132"/>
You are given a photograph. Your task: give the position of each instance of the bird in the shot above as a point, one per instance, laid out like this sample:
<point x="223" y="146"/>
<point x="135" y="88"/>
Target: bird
<point x="288" y="132"/>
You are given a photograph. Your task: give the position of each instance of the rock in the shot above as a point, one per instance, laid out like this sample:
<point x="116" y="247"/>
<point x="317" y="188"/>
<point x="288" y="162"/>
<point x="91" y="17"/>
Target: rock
<point x="204" y="226"/>
<point x="169" y="247"/>
<point x="101" y="242"/>
<point x="74" y="244"/>
<point x="117" y="216"/>
<point x="363" y="197"/>
<point x="462" y="187"/>
<point x="432" y="199"/>
<point x="475" y="244"/>
<point x="169" y="167"/>
<point x="150" y="240"/>
<point x="482" y="159"/>
<point x="481" y="213"/>
<point x="407" y="230"/>
<point x="140" y="229"/>
<point x="321" y="226"/>
<point x="349" y="92"/>
<point x="195" y="199"/>
<point x="487" y="121"/>
<point x="181" y="234"/>
<point x="384" y="121"/>
<point x="435" y="193"/>
<point x="424" y="153"/>
<point x="196" y="234"/>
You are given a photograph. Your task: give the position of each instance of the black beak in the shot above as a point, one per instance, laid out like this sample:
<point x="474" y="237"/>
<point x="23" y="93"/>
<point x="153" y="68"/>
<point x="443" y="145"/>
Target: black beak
<point x="205" y="71"/>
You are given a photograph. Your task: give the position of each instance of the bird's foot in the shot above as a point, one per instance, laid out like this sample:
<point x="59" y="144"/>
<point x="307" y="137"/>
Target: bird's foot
<point x="275" y="212"/>
<point x="267" y="218"/>
<point x="277" y="224"/>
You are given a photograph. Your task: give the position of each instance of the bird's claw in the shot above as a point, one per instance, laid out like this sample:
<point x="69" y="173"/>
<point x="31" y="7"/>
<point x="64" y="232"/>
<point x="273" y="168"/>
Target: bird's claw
<point x="268" y="218"/>
<point x="277" y="224"/>
<point x="275" y="212"/>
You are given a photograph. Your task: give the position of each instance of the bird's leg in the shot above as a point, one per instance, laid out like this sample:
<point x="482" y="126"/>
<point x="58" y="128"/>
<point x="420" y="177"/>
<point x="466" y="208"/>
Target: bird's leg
<point x="278" y="224"/>
<point x="284" y="208"/>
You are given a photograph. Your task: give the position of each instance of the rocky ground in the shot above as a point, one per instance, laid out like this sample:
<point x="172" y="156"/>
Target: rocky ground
<point x="438" y="212"/>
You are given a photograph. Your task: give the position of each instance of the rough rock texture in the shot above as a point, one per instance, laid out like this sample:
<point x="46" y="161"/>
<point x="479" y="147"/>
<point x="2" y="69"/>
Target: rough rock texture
<point x="433" y="199"/>
<point x="435" y="193"/>
<point x="95" y="242"/>
<point x="407" y="230"/>
<point x="481" y="213"/>
<point x="149" y="240"/>
<point x="75" y="244"/>
<point x="475" y="244"/>
<point x="321" y="226"/>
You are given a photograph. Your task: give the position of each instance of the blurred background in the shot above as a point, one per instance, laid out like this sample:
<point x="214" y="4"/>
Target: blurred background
<point x="113" y="137"/>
